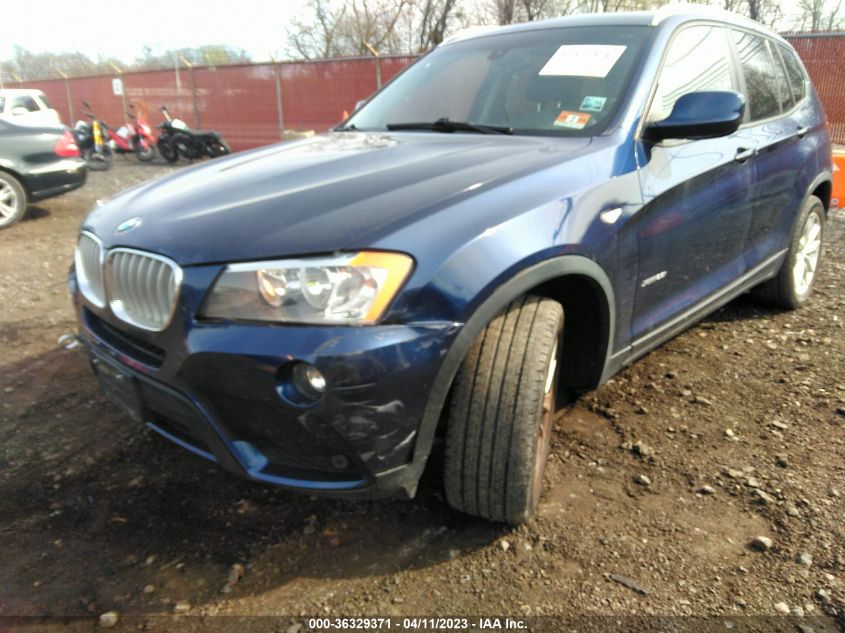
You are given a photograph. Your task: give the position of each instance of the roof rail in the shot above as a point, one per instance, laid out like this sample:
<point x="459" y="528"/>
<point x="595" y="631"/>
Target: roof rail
<point x="704" y="10"/>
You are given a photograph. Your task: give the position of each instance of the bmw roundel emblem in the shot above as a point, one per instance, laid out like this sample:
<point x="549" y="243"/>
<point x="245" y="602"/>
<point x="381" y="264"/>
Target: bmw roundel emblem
<point x="128" y="225"/>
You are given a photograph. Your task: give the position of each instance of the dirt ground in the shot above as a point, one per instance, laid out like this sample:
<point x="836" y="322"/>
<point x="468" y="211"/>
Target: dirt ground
<point x="738" y="427"/>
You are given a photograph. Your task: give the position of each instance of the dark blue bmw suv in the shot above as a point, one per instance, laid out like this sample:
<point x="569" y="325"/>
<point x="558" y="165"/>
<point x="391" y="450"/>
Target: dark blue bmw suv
<point x="517" y="216"/>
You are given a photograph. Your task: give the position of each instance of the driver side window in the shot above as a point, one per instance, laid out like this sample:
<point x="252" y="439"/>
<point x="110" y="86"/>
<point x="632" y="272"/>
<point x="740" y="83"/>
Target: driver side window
<point x="698" y="60"/>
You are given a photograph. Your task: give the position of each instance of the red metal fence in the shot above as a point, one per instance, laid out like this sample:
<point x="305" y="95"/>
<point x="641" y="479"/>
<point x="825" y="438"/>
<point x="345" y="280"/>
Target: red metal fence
<point x="254" y="104"/>
<point x="249" y="104"/>
<point x="824" y="56"/>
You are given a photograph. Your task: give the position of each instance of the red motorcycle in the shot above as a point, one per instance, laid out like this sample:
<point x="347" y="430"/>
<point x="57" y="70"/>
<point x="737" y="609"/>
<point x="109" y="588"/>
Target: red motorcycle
<point x="141" y="134"/>
<point x="134" y="137"/>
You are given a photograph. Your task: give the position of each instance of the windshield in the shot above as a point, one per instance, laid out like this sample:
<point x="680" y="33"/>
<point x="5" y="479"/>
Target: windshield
<point x="565" y="81"/>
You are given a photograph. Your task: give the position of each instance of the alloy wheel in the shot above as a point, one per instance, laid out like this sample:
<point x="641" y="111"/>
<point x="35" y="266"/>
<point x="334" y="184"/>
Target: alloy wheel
<point x="8" y="200"/>
<point x="807" y="255"/>
<point x="544" y="437"/>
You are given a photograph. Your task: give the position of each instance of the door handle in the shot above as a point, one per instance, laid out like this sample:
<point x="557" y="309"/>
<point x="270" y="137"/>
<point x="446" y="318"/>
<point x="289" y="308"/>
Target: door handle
<point x="743" y="154"/>
<point x="801" y="132"/>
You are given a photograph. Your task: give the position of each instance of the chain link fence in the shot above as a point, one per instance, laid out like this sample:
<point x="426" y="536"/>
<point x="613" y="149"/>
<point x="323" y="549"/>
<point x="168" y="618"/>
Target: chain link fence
<point x="824" y="56"/>
<point x="257" y="104"/>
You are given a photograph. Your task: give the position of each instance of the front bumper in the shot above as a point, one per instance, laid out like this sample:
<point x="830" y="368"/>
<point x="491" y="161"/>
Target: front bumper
<point x="213" y="388"/>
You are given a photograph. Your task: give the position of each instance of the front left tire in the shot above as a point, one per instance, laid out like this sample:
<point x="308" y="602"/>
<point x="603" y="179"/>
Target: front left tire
<point x="499" y="423"/>
<point x="12" y="200"/>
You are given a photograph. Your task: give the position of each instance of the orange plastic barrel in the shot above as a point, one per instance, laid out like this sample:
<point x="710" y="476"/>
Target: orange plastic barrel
<point x="838" y="178"/>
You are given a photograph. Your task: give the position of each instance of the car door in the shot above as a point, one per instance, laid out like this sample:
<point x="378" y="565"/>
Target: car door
<point x="692" y="229"/>
<point x="780" y="117"/>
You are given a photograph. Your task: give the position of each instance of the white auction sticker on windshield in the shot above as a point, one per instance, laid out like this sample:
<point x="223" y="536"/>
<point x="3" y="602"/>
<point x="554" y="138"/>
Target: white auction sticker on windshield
<point x="583" y="60"/>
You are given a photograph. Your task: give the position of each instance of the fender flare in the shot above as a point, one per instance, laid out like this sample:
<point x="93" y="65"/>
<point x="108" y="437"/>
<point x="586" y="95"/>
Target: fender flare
<point x="516" y="286"/>
<point x="824" y="177"/>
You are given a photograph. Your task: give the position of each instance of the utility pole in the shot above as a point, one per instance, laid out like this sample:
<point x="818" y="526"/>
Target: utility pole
<point x="119" y="73"/>
<point x="193" y="91"/>
<point x="67" y="95"/>
<point x="277" y="68"/>
<point x="378" y="64"/>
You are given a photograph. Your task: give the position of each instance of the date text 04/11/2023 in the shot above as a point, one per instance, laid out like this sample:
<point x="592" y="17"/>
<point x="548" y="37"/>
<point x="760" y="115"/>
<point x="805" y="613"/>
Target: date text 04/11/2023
<point x="418" y="623"/>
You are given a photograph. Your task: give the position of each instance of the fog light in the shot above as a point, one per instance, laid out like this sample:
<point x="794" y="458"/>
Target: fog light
<point x="309" y="378"/>
<point x="340" y="462"/>
<point x="301" y="384"/>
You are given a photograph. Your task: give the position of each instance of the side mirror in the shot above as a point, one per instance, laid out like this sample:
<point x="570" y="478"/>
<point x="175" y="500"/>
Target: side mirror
<point x="700" y="115"/>
<point x="18" y="110"/>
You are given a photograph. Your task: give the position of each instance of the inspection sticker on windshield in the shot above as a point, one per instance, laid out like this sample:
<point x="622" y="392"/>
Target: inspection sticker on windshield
<point x="583" y="60"/>
<point x="574" y="120"/>
<point x="593" y="104"/>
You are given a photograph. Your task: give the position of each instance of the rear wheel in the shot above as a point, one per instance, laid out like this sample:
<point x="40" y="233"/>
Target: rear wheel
<point x="144" y="150"/>
<point x="794" y="282"/>
<point x="499" y="423"/>
<point x="12" y="200"/>
<point x="98" y="160"/>
<point x="167" y="150"/>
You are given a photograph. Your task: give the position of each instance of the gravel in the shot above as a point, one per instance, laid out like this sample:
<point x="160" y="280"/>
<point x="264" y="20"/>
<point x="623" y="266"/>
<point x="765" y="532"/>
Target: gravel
<point x="108" y="619"/>
<point x="761" y="543"/>
<point x="134" y="511"/>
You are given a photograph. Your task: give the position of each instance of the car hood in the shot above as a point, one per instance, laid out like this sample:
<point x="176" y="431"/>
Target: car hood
<point x="324" y="194"/>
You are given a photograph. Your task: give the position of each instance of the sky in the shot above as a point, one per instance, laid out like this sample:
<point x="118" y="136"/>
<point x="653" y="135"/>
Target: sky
<point x="123" y="27"/>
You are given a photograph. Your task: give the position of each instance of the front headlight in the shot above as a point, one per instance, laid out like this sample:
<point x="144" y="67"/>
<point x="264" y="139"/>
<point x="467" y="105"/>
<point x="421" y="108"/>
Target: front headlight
<point x="353" y="288"/>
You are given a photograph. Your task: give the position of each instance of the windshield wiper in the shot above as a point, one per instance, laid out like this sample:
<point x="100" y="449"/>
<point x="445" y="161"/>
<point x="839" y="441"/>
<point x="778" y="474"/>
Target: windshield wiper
<point x="346" y="128"/>
<point x="447" y="126"/>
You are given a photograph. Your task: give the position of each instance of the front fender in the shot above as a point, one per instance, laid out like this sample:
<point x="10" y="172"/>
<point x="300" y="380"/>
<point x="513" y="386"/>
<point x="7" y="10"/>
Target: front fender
<point x="518" y="285"/>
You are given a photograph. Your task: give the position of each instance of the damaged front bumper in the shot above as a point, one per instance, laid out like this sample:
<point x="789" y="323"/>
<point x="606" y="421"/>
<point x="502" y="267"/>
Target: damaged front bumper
<point x="214" y="389"/>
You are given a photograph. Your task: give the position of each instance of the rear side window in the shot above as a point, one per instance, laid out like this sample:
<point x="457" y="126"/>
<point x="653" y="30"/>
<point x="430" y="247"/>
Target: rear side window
<point x="787" y="99"/>
<point x="761" y="84"/>
<point x="797" y="79"/>
<point x="2" y="103"/>
<point x="44" y="101"/>
<point x="698" y="60"/>
<point x="25" y="102"/>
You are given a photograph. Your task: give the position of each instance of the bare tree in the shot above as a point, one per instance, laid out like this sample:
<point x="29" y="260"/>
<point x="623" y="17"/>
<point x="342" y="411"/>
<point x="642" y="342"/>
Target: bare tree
<point x="317" y="34"/>
<point x="832" y="20"/>
<point x="511" y="11"/>
<point x="26" y="65"/>
<point x="208" y="55"/>
<point x="818" y="15"/>
<point x="373" y="24"/>
<point x="535" y="9"/>
<point x="505" y="11"/>
<point x="435" y="18"/>
<point x="766" y="12"/>
<point x="349" y="27"/>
